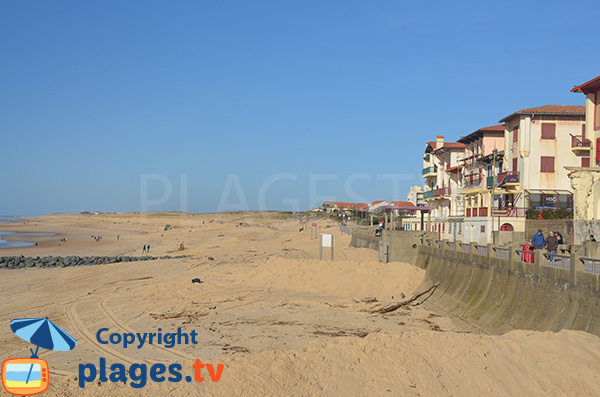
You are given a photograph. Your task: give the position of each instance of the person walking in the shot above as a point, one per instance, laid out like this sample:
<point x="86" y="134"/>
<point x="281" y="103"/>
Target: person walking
<point x="144" y="249"/>
<point x="551" y="246"/>
<point x="148" y="248"/>
<point x="538" y="241"/>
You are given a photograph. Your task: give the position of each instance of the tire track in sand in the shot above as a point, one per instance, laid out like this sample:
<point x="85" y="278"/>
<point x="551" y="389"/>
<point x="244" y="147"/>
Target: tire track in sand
<point x="113" y="318"/>
<point x="82" y="330"/>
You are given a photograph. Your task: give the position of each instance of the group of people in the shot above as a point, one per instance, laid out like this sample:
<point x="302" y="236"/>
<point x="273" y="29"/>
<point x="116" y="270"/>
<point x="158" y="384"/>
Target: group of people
<point x="97" y="238"/>
<point x="551" y="243"/>
<point x="146" y="248"/>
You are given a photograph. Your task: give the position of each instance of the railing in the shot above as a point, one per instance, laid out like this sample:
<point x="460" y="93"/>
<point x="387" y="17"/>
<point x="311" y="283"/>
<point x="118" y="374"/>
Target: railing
<point x="591" y="265"/>
<point x="468" y="212"/>
<point x="445" y="191"/>
<point x="429" y="170"/>
<point x="558" y="261"/>
<point x="510" y="212"/>
<point x="508" y="177"/>
<point x="428" y="194"/>
<point x="580" y="141"/>
<point x="482" y="250"/>
<point x="464" y="247"/>
<point x="483" y="211"/>
<point x="501" y="252"/>
<point x="525" y="256"/>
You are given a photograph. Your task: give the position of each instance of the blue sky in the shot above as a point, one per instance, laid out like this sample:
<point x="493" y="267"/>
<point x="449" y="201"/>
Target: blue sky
<point x="98" y="97"/>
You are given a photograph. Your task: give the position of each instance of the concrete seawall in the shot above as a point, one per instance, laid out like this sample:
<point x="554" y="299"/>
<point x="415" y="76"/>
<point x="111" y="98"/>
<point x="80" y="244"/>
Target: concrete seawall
<point x="499" y="295"/>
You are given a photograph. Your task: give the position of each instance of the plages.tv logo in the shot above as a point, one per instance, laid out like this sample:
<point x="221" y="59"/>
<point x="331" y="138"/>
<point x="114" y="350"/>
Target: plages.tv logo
<point x="30" y="376"/>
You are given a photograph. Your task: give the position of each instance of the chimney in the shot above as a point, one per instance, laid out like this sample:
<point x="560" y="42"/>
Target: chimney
<point x="439" y="141"/>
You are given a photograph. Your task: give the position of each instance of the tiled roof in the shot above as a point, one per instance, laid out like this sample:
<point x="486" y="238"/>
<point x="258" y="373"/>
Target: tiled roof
<point x="377" y="202"/>
<point x="550" y="109"/>
<point x="499" y="127"/>
<point x="403" y="204"/>
<point x="479" y="133"/>
<point x="583" y="87"/>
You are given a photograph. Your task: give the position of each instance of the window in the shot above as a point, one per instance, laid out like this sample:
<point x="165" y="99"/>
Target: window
<point x="597" y="110"/>
<point x="547" y="164"/>
<point x="515" y="134"/>
<point x="548" y="131"/>
<point x="482" y="229"/>
<point x="585" y="161"/>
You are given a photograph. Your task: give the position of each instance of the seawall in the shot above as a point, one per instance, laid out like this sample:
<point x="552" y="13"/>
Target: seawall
<point x="499" y="295"/>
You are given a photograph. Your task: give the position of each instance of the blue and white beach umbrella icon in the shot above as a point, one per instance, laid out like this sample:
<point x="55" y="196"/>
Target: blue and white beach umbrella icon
<point x="43" y="333"/>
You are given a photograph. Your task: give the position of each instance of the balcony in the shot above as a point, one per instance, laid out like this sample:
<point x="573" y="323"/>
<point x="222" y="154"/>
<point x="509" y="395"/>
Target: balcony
<point x="508" y="179"/>
<point x="445" y="191"/>
<point x="428" y="194"/>
<point x="429" y="171"/>
<point x="510" y="212"/>
<point x="580" y="145"/>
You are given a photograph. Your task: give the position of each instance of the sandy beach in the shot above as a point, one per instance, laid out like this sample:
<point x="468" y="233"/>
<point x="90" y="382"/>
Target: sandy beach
<point x="279" y="320"/>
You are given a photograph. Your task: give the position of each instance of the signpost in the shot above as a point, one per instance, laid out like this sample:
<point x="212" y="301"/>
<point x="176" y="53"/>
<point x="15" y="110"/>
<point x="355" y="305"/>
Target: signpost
<point x="313" y="230"/>
<point x="327" y="241"/>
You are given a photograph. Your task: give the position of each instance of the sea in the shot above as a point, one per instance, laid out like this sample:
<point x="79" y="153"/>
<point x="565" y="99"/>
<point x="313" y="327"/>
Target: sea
<point x="6" y="244"/>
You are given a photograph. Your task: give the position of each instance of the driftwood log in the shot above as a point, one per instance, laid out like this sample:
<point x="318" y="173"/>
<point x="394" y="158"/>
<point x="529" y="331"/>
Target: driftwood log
<point x="396" y="306"/>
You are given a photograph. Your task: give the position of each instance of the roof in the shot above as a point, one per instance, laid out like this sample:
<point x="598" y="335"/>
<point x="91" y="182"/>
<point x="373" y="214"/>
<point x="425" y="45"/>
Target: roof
<point x="588" y="86"/>
<point x="376" y="202"/>
<point x="555" y="110"/>
<point x="403" y="204"/>
<point x="480" y="132"/>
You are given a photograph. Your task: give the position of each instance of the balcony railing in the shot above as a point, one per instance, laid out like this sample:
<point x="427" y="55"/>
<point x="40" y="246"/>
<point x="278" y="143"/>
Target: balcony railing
<point x="508" y="178"/>
<point x="428" y="194"/>
<point x="429" y="170"/>
<point x="511" y="212"/>
<point x="445" y="191"/>
<point x="578" y="141"/>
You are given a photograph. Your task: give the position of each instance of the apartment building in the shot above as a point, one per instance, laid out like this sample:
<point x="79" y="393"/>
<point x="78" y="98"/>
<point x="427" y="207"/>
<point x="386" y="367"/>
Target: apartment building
<point x="483" y="159"/>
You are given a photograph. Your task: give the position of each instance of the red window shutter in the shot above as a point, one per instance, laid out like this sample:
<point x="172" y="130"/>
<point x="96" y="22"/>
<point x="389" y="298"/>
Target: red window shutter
<point x="515" y="163"/>
<point x="597" y="150"/>
<point x="547" y="164"/>
<point x="548" y="131"/>
<point x="585" y="161"/>
<point x="597" y="111"/>
<point x="515" y="134"/>
<point x="583" y="131"/>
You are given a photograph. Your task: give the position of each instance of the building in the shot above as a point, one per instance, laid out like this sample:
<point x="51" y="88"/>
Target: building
<point x="584" y="180"/>
<point x="482" y="161"/>
<point x="538" y="144"/>
<point x="441" y="162"/>
<point x="415" y="196"/>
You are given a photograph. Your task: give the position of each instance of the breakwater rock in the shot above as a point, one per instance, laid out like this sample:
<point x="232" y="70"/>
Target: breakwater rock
<point x="19" y="262"/>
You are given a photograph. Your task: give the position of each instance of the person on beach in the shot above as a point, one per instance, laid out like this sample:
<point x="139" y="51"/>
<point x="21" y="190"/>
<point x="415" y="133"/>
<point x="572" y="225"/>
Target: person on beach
<point x="144" y="249"/>
<point x="148" y="248"/>
<point x="538" y="240"/>
<point x="551" y="246"/>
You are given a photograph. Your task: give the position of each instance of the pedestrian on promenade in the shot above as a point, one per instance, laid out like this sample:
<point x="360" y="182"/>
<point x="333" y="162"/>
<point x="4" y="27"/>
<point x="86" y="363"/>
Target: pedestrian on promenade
<point x="148" y="248"/>
<point x="144" y="249"/>
<point x="538" y="240"/>
<point x="551" y="246"/>
<point x="559" y="238"/>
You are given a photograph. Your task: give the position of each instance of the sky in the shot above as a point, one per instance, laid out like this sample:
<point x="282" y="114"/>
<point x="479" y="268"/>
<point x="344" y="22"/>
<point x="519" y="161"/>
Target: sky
<point x="203" y="106"/>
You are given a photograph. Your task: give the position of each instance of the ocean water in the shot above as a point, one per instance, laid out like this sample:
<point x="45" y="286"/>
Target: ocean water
<point x="6" y="244"/>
